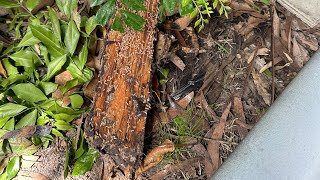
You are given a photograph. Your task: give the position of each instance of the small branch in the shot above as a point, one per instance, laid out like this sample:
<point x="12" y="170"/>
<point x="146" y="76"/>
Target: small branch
<point x="272" y="11"/>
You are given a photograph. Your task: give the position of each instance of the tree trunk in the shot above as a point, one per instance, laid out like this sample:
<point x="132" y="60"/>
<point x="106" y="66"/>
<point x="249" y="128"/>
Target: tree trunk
<point x="116" y="126"/>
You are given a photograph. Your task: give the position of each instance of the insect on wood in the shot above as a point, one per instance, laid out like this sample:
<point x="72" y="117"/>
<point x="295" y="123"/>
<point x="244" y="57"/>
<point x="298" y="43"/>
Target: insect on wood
<point x="121" y="100"/>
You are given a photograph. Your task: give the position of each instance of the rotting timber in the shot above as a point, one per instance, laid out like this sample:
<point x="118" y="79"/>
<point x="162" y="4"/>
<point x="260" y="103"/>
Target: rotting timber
<point x="117" y="124"/>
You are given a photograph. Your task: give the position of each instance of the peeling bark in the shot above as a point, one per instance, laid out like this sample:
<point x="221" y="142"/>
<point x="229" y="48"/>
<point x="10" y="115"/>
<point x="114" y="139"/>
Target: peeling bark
<point x="116" y="127"/>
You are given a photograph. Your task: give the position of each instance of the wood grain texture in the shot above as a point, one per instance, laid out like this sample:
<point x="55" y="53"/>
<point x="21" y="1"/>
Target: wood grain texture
<point x="116" y="127"/>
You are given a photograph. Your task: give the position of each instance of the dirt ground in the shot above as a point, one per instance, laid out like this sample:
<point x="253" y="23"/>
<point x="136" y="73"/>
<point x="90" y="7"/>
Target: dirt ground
<point x="218" y="86"/>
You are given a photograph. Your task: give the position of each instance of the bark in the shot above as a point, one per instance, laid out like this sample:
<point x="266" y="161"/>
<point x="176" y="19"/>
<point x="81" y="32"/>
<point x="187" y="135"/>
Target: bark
<point x="116" y="127"/>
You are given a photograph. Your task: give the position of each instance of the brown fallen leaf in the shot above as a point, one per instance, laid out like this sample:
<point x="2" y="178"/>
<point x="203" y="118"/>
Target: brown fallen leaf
<point x="28" y="175"/>
<point x="177" y="61"/>
<point x="90" y="89"/>
<point x="269" y="64"/>
<point x="261" y="86"/>
<point x="155" y="156"/>
<point x="206" y="106"/>
<point x="28" y="131"/>
<point x="162" y="47"/>
<point x="243" y="125"/>
<point x="239" y="113"/>
<point x="276" y="24"/>
<point x="28" y="161"/>
<point x="217" y="133"/>
<point x="177" y="107"/>
<point x="259" y="52"/>
<point x="182" y="165"/>
<point x="246" y="28"/>
<point x="201" y="150"/>
<point x="3" y="72"/>
<point x="94" y="62"/>
<point x="181" y="23"/>
<point x="63" y="77"/>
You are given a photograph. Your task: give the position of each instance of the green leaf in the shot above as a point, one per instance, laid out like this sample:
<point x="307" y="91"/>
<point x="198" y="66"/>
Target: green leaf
<point x="55" y="66"/>
<point x="3" y="121"/>
<point x="135" y="4"/>
<point x="9" y="125"/>
<point x="105" y="12"/>
<point x="221" y="10"/>
<point x="193" y="14"/>
<point x="30" y="4"/>
<point x="69" y="84"/>
<point x="85" y="162"/>
<point x="228" y="8"/>
<point x="48" y="39"/>
<point x="13" y="167"/>
<point x="133" y="20"/>
<point x="267" y="2"/>
<point x="25" y="58"/>
<point x="83" y="55"/>
<point x="96" y="2"/>
<point x="11" y="70"/>
<point x="28" y="39"/>
<point x="10" y="110"/>
<point x="117" y="25"/>
<point x="215" y="3"/>
<point x="57" y="133"/>
<point x="65" y="117"/>
<point x="28" y="120"/>
<point x="29" y="92"/>
<point x="197" y="23"/>
<point x="185" y="3"/>
<point x="76" y="101"/>
<point x="72" y="37"/>
<point x="42" y="120"/>
<point x="48" y="87"/>
<point x="186" y="9"/>
<point x="67" y="6"/>
<point x="8" y="4"/>
<point x="13" y="78"/>
<point x="83" y="76"/>
<point x="169" y="5"/>
<point x="62" y="125"/>
<point x="91" y="24"/>
<point x="55" y="23"/>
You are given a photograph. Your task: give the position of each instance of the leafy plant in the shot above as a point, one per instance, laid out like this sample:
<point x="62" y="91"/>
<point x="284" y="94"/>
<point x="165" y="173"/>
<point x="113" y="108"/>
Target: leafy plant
<point x="201" y="8"/>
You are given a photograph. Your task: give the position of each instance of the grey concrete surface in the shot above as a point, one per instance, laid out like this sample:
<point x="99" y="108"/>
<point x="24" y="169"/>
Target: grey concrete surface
<point x="307" y="10"/>
<point x="284" y="145"/>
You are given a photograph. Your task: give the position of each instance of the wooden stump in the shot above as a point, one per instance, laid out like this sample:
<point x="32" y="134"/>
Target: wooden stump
<point x="116" y="126"/>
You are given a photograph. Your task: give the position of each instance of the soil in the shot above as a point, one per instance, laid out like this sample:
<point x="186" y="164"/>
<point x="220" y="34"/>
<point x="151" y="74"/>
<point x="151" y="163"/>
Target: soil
<point x="218" y="58"/>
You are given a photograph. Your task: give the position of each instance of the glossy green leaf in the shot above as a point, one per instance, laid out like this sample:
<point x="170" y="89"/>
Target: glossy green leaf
<point x="55" y="66"/>
<point x="13" y="78"/>
<point x="69" y="84"/>
<point x="76" y="101"/>
<point x="42" y="120"/>
<point x="8" y="4"/>
<point x="105" y="12"/>
<point x="169" y="5"/>
<point x="48" y="87"/>
<point x="55" y="23"/>
<point x="117" y="25"/>
<point x="186" y="9"/>
<point x="13" y="167"/>
<point x="85" y="162"/>
<point x="132" y="20"/>
<point x="57" y="133"/>
<point x="65" y="117"/>
<point x="96" y="2"/>
<point x="83" y="55"/>
<point x="29" y="92"/>
<point x="28" y="120"/>
<point x="48" y="39"/>
<point x="185" y="3"/>
<point x="62" y="125"/>
<point x="11" y="70"/>
<point x="28" y="40"/>
<point x="91" y="24"/>
<point x="25" y="58"/>
<point x="3" y="121"/>
<point x="10" y="110"/>
<point x="135" y="4"/>
<point x="83" y="76"/>
<point x="30" y="4"/>
<point x="67" y="6"/>
<point x="9" y="125"/>
<point x="72" y="37"/>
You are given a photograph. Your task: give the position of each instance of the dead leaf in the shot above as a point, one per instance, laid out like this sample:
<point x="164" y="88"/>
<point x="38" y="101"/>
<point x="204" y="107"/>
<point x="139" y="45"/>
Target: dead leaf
<point x="261" y="86"/>
<point x="178" y="107"/>
<point x="3" y="72"/>
<point x="28" y="175"/>
<point x="181" y="23"/>
<point x="28" y="131"/>
<point x="156" y="155"/>
<point x="182" y="165"/>
<point x="90" y="89"/>
<point x="201" y="150"/>
<point x="94" y="62"/>
<point x="162" y="47"/>
<point x="259" y="52"/>
<point x="243" y="125"/>
<point x="28" y="161"/>
<point x="206" y="106"/>
<point x="239" y="113"/>
<point x="217" y="133"/>
<point x="177" y="61"/>
<point x="276" y="24"/>
<point x="63" y="77"/>
<point x="246" y="28"/>
<point x="269" y="64"/>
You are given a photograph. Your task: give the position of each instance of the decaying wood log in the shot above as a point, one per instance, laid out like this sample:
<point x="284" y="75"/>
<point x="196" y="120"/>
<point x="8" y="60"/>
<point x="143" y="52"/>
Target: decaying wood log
<point x="116" y="126"/>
